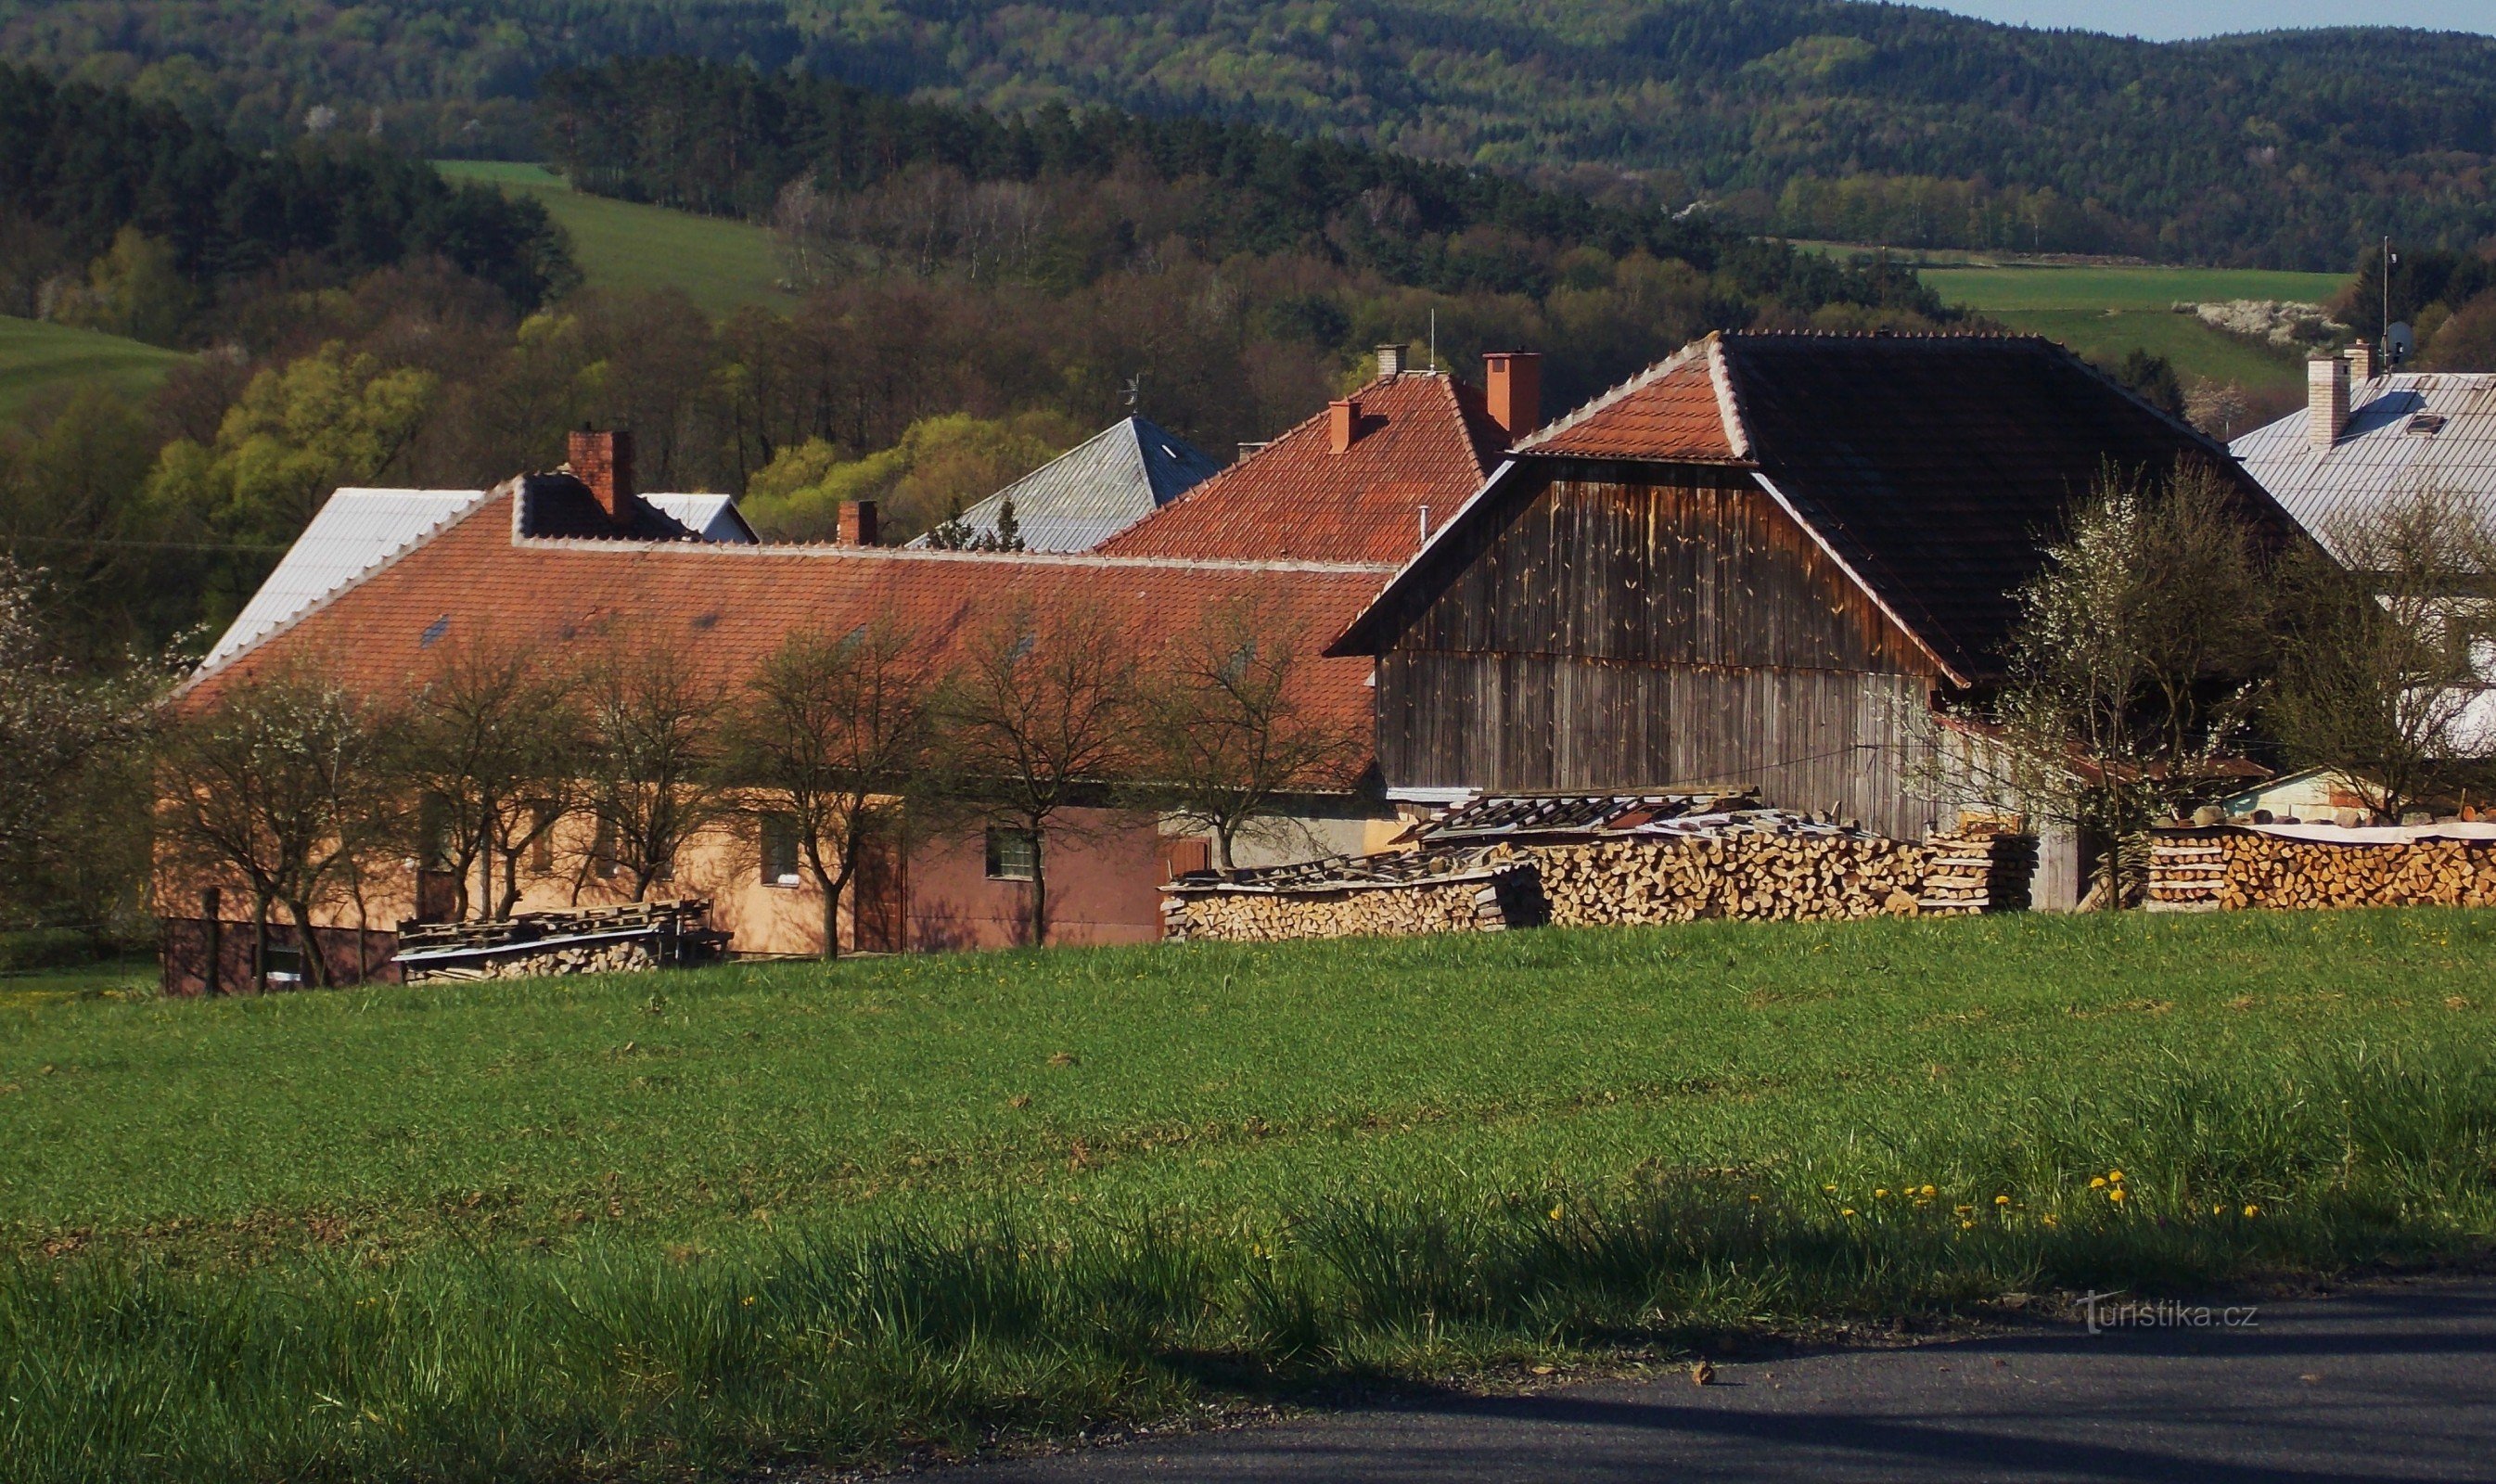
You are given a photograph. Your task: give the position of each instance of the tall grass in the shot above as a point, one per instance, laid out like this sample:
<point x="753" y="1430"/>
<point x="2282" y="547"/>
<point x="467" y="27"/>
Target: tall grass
<point x="627" y="1357"/>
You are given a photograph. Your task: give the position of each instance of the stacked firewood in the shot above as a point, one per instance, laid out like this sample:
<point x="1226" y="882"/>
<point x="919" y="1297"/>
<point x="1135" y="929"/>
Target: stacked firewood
<point x="2232" y="868"/>
<point x="630" y="955"/>
<point x="1473" y="902"/>
<point x="1768" y="867"/>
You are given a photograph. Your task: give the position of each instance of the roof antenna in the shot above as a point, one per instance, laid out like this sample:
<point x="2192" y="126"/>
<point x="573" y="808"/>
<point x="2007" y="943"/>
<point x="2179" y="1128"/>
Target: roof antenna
<point x="1434" y="340"/>
<point x="1135" y="392"/>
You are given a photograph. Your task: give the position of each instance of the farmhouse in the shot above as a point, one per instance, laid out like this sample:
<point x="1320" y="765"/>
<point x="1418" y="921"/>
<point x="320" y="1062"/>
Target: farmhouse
<point x="1092" y="491"/>
<point x="1755" y="567"/>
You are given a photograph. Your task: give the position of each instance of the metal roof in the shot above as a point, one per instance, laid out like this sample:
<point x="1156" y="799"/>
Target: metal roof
<point x="713" y="518"/>
<point x="355" y="531"/>
<point x="2407" y="432"/>
<point x="1097" y="488"/>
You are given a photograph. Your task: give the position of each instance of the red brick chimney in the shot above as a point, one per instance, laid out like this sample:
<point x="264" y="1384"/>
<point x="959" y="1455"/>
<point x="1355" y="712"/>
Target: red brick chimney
<point x="1343" y="417"/>
<point x="603" y="462"/>
<point x="857" y="523"/>
<point x="1514" y="387"/>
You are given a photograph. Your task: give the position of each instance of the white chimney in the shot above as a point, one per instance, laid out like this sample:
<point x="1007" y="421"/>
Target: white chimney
<point x="2361" y="363"/>
<point x="1391" y="361"/>
<point x="2327" y="400"/>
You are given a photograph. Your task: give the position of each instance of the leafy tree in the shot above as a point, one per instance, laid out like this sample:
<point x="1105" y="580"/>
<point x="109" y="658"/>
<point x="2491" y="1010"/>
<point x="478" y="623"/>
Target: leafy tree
<point x="655" y="726"/>
<point x="278" y="784"/>
<point x="136" y="289"/>
<point x="2139" y="660"/>
<point x="830" y="740"/>
<point x="940" y="464"/>
<point x="491" y="747"/>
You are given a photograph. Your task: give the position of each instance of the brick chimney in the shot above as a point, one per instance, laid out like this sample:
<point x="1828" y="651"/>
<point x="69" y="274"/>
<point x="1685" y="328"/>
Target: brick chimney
<point x="2327" y="400"/>
<point x="1343" y="419"/>
<point x="1391" y="361"/>
<point x="857" y="523"/>
<point x="1514" y="387"/>
<point x="2361" y="363"/>
<point x="603" y="462"/>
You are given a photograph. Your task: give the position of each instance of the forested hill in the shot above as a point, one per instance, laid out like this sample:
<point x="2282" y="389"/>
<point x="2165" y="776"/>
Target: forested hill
<point x="1820" y="117"/>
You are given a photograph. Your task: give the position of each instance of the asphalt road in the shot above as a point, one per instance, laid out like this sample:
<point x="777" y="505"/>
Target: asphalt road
<point x="2390" y="1382"/>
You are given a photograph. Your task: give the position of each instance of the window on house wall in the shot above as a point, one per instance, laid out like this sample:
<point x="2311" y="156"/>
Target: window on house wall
<point x="780" y="851"/>
<point x="1014" y="855"/>
<point x="542" y="841"/>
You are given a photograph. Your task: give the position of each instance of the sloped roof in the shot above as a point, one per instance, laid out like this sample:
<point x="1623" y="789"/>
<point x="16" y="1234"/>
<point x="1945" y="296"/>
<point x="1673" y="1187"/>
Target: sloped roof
<point x="1423" y="439"/>
<point x="1097" y="488"/>
<point x="2408" y="432"/>
<point x="474" y="583"/>
<point x="713" y="518"/>
<point x="556" y="506"/>
<point x="1932" y="468"/>
<point x="353" y="531"/>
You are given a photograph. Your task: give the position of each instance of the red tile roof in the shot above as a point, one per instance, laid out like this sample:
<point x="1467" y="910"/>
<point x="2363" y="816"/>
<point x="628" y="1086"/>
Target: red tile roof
<point x="1423" y="439"/>
<point x="473" y="581"/>
<point x="1671" y="411"/>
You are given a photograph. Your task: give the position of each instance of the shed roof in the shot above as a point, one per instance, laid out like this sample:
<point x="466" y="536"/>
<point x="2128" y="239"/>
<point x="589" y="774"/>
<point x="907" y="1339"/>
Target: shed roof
<point x="1423" y="439"/>
<point x="1097" y="488"/>
<point x="1931" y="467"/>
<point x="2408" y="432"/>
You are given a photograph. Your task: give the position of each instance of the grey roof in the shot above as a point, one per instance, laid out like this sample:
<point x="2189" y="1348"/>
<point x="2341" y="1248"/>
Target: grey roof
<point x="354" y="530"/>
<point x="713" y="518"/>
<point x="2407" y="432"/>
<point x="1097" y="488"/>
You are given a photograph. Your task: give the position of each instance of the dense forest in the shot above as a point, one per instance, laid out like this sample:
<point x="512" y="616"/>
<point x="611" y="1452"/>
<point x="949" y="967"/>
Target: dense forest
<point x="127" y="216"/>
<point x="1812" y="117"/>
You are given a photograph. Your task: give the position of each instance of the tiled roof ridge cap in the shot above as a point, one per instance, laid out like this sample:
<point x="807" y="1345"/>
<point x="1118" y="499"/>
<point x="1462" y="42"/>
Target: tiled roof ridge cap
<point x="1729" y="407"/>
<point x="1605" y="400"/>
<point x="300" y="616"/>
<point x="818" y="550"/>
<point x="1884" y="334"/>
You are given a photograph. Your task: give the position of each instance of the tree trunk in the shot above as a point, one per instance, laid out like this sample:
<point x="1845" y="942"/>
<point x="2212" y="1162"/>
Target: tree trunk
<point x="1222" y="837"/>
<point x="316" y="971"/>
<point x="1038" y="891"/>
<point x="260" y="943"/>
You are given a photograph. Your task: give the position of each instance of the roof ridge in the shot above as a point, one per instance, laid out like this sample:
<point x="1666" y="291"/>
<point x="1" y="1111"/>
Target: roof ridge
<point x="1601" y="401"/>
<point x="819" y="550"/>
<point x="1728" y="406"/>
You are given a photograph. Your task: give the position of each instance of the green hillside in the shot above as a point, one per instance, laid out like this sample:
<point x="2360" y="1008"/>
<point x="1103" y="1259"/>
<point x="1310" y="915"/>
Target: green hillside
<point x="1812" y="117"/>
<point x="36" y="357"/>
<point x="724" y="265"/>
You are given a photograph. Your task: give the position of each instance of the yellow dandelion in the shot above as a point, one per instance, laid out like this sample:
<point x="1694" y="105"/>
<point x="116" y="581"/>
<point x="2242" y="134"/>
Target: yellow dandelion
<point x="1555" y="1211"/>
<point x="2002" y="1201"/>
<point x="749" y="1300"/>
<point x="2218" y="1210"/>
<point x="1930" y="1193"/>
<point x="2097" y="1182"/>
<point x="2115" y="1175"/>
<point x="1964" y="1210"/>
<point x="2116" y="1195"/>
<point x="1755" y="1201"/>
<point x="1848" y="1211"/>
<point x="2050" y="1219"/>
<point x="1831" y="1189"/>
<point x="2253" y="1211"/>
<point x="1966" y="1225"/>
<point x="1880" y="1195"/>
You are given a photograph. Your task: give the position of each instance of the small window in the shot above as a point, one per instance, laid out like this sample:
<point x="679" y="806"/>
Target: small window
<point x="1014" y="855"/>
<point x="780" y="849"/>
<point x="284" y="965"/>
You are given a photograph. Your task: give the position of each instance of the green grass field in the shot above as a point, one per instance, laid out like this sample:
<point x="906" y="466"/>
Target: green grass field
<point x="36" y="357"/>
<point x="763" y="1214"/>
<point x="2108" y="312"/>
<point x="723" y="264"/>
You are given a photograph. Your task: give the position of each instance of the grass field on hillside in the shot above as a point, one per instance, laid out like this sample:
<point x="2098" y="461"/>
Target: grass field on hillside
<point x="767" y="1214"/>
<point x="724" y="265"/>
<point x="2009" y="287"/>
<point x="37" y="355"/>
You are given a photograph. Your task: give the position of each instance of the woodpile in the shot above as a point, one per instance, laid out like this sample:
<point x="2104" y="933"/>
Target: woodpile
<point x="1761" y="865"/>
<point x="2233" y="868"/>
<point x="627" y="938"/>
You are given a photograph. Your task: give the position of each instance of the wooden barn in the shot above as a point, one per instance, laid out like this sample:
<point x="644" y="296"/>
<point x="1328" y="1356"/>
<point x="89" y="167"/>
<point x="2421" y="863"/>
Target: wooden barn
<point x="1754" y="565"/>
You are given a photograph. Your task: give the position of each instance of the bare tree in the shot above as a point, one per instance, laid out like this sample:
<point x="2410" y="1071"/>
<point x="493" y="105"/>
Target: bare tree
<point x="1231" y="727"/>
<point x="2378" y="680"/>
<point x="2137" y="664"/>
<point x="832" y="735"/>
<point x="654" y="721"/>
<point x="491" y="745"/>
<point x="279" y="783"/>
<point x="1043" y="717"/>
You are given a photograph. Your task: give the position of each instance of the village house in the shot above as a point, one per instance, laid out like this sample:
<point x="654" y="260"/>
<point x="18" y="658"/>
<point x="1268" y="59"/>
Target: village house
<point x="1759" y="565"/>
<point x="1091" y="492"/>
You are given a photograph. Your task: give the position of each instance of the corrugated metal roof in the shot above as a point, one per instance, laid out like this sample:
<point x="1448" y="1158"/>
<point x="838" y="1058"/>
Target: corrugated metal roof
<point x="1097" y="488"/>
<point x="355" y="531"/>
<point x="713" y="518"/>
<point x="2408" y="432"/>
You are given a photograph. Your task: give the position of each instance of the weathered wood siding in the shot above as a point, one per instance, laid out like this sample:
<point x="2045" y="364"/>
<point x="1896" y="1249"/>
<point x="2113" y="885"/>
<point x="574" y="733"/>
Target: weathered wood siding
<point x="1615" y="634"/>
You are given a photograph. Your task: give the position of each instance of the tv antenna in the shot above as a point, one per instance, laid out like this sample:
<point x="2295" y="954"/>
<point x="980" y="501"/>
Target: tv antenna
<point x="1434" y="339"/>
<point x="1133" y="391"/>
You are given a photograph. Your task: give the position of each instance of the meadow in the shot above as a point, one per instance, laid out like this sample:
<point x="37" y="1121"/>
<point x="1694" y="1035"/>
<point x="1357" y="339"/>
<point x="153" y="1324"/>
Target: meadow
<point x="764" y="1214"/>
<point x="37" y="355"/>
<point x="724" y="265"/>
<point x="2107" y="312"/>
